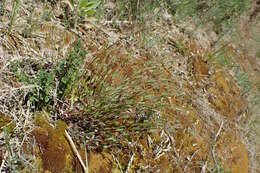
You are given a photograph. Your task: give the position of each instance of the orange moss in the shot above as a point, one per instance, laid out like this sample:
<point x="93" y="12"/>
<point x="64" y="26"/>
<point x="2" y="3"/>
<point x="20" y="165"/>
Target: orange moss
<point x="37" y="166"/>
<point x="239" y="162"/>
<point x="225" y="96"/>
<point x="54" y="149"/>
<point x="56" y="153"/>
<point x="200" y="68"/>
<point x="232" y="154"/>
<point x="100" y="162"/>
<point x="165" y="164"/>
<point x="5" y="121"/>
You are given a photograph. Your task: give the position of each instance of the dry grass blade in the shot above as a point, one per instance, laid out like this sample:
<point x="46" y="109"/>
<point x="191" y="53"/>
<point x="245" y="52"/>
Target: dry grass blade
<point x="130" y="163"/>
<point x="142" y="91"/>
<point x="76" y="151"/>
<point x="3" y="161"/>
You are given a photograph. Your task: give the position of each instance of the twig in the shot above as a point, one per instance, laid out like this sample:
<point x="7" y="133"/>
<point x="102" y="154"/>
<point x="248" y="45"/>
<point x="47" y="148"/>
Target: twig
<point x="76" y="9"/>
<point x="118" y="164"/>
<point x="214" y="158"/>
<point x="107" y="22"/>
<point x="130" y="163"/>
<point x="190" y="159"/>
<point x="213" y="148"/>
<point x="219" y="130"/>
<point x="76" y="151"/>
<point x="3" y="161"/>
<point x="86" y="155"/>
<point x="19" y="88"/>
<point x="203" y="169"/>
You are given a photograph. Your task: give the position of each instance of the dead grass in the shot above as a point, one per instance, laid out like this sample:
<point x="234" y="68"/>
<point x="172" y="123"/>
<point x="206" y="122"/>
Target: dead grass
<point x="198" y="111"/>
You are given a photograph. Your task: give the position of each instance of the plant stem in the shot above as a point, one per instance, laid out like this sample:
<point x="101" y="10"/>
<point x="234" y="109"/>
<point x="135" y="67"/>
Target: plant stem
<point x="15" y="5"/>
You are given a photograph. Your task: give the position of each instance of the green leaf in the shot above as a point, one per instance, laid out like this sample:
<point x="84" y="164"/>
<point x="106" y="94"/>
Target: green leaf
<point x="88" y="7"/>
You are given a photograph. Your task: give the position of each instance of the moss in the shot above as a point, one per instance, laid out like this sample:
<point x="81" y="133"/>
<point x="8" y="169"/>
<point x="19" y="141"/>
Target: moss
<point x="47" y="171"/>
<point x="200" y="68"/>
<point x="100" y="162"/>
<point x="233" y="154"/>
<point x="225" y="96"/>
<point x="56" y="153"/>
<point x="37" y="166"/>
<point x="6" y="122"/>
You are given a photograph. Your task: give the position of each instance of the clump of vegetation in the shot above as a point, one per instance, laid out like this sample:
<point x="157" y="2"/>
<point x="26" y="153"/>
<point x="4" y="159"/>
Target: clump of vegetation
<point x="68" y="70"/>
<point x="225" y="58"/>
<point x="45" y="79"/>
<point x="147" y="102"/>
<point x="117" y="98"/>
<point x="221" y="13"/>
<point x="75" y="11"/>
<point x="13" y="160"/>
<point x="112" y="97"/>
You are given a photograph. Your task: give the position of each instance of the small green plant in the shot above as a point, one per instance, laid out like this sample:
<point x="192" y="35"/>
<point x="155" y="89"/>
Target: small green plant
<point x="221" y="12"/>
<point x="41" y="95"/>
<point x="225" y="59"/>
<point x="15" y="7"/>
<point x="30" y="25"/>
<point x="45" y="80"/>
<point x="46" y="16"/>
<point x="88" y="7"/>
<point x="217" y="167"/>
<point x="256" y="99"/>
<point x="18" y="161"/>
<point x="243" y="81"/>
<point x="84" y="8"/>
<point x="258" y="54"/>
<point x="132" y="10"/>
<point x="68" y="70"/>
<point x="65" y="73"/>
